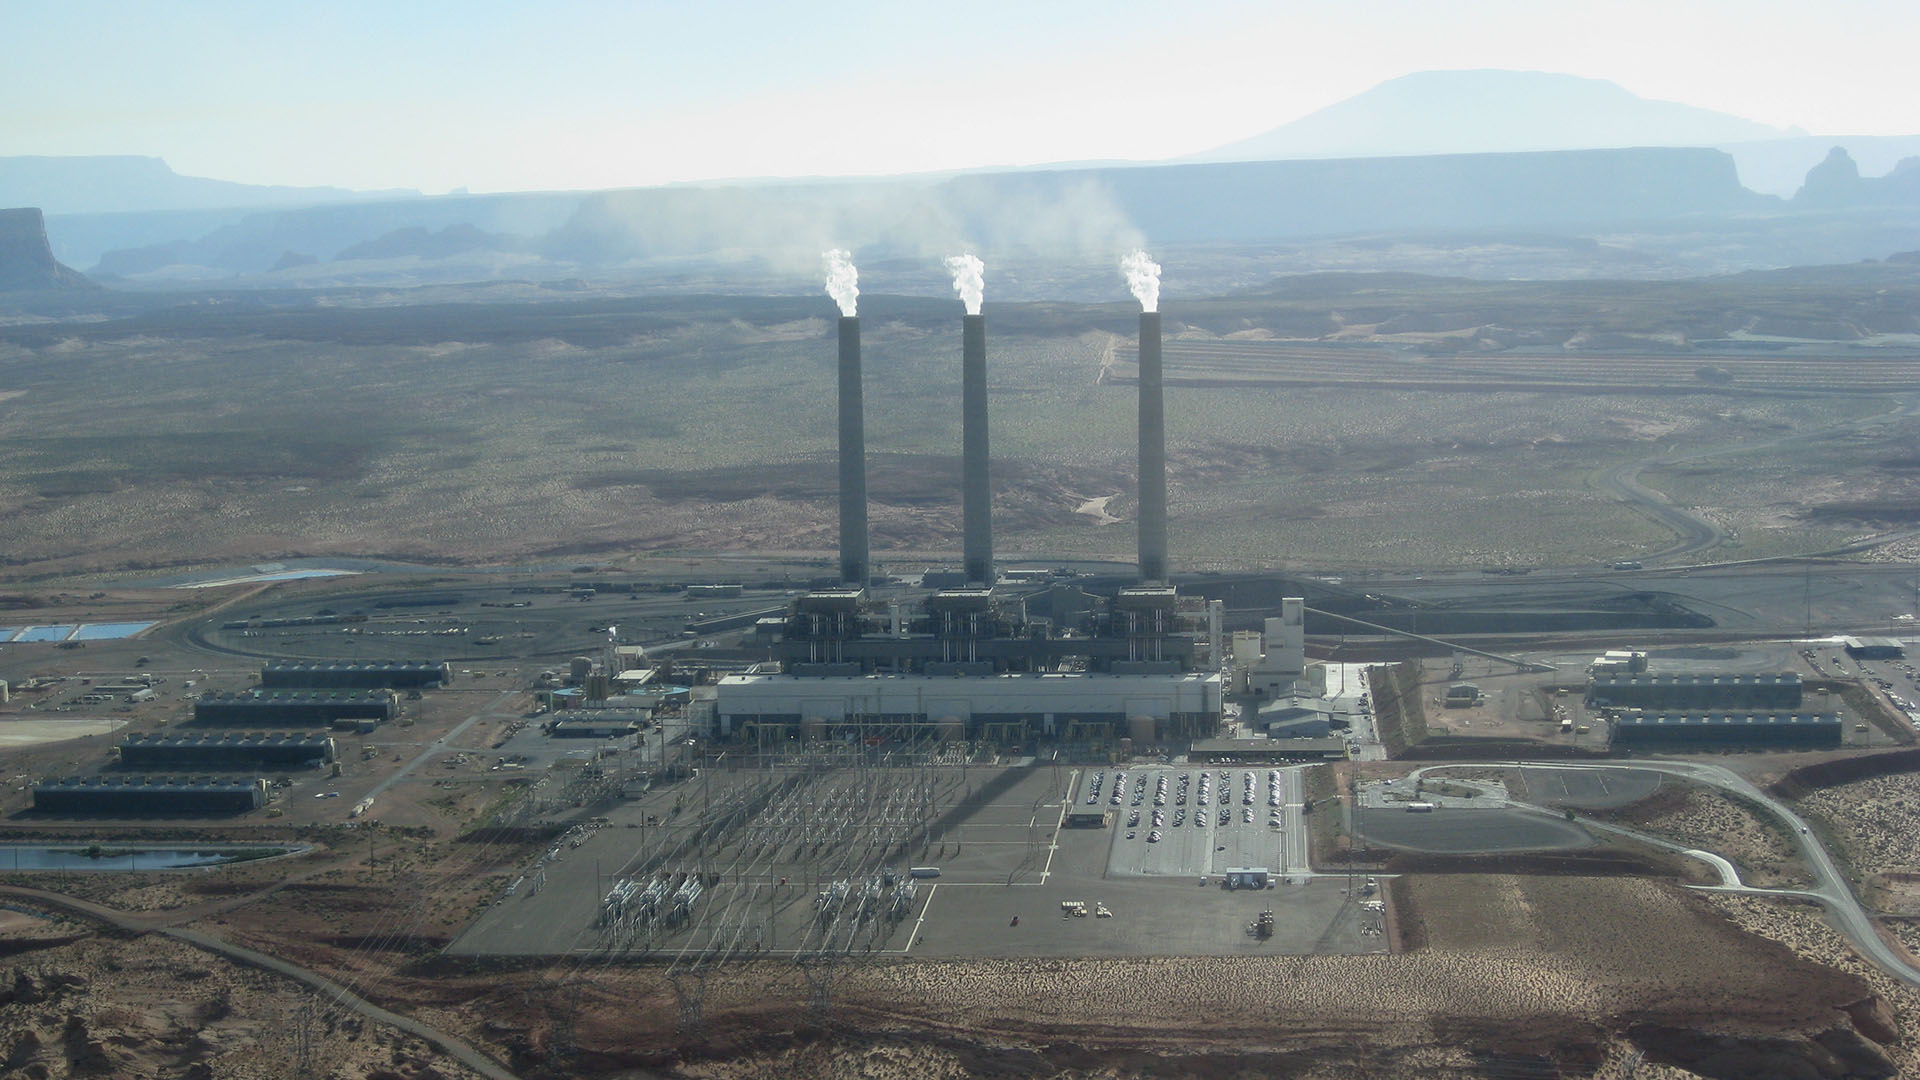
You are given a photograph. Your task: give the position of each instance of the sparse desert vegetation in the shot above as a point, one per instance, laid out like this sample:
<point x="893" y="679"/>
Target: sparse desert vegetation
<point x="1714" y="821"/>
<point x="479" y="432"/>
<point x="1877" y="823"/>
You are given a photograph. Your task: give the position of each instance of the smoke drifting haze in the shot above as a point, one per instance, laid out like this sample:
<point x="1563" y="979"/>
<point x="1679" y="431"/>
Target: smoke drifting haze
<point x="969" y="279"/>
<point x="1143" y="278"/>
<point x="843" y="280"/>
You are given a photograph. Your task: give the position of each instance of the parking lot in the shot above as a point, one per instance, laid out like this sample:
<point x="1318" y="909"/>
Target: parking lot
<point x="1167" y="826"/>
<point x="802" y="861"/>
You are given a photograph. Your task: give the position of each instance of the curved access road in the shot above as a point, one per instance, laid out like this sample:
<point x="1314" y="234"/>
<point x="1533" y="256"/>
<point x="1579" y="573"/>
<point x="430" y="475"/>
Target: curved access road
<point x="1830" y="887"/>
<point x="454" y="1048"/>
<point x="1694" y="532"/>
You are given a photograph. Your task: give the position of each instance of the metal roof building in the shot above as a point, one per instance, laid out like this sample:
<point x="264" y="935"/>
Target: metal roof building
<point x="1268" y="750"/>
<point x="1875" y="648"/>
<point x="1695" y="692"/>
<point x="1727" y="731"/>
<point x="249" y="751"/>
<point x="365" y="675"/>
<point x="149" y="795"/>
<point x="1048" y="704"/>
<point x="308" y="708"/>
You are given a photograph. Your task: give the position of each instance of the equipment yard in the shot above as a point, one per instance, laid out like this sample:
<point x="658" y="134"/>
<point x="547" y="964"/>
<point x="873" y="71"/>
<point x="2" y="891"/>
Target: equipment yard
<point x="902" y="859"/>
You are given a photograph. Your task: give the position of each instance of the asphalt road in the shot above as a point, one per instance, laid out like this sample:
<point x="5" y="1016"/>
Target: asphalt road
<point x="1694" y="533"/>
<point x="1697" y="534"/>
<point x="1830" y="884"/>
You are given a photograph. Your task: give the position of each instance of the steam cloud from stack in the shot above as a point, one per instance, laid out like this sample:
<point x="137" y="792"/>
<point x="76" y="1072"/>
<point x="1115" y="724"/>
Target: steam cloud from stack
<point x="969" y="279"/>
<point x="1143" y="278"/>
<point x="843" y="281"/>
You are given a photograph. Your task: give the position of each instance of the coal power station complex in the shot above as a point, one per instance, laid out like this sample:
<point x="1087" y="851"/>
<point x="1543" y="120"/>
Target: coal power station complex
<point x="1138" y="663"/>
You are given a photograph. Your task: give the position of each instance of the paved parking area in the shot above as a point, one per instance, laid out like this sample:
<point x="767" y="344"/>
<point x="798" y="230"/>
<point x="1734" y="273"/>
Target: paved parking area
<point x="1591" y="789"/>
<point x="1202" y="844"/>
<point x="1454" y="831"/>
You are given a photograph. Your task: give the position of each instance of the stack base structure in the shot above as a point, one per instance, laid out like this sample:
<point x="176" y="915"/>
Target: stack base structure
<point x="361" y="675"/>
<point x="255" y="750"/>
<point x="167" y="796"/>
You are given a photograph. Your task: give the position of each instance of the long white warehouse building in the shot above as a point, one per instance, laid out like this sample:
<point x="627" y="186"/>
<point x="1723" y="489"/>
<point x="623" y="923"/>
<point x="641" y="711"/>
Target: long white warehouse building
<point x="1143" y="706"/>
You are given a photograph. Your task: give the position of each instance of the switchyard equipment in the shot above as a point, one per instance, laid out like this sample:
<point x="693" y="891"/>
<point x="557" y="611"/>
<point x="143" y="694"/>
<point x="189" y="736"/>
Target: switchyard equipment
<point x="613" y="908"/>
<point x="362" y="674"/>
<point x="254" y="750"/>
<point x="680" y="908"/>
<point x="149" y="795"/>
<point x="1726" y="731"/>
<point x="904" y="892"/>
<point x="307" y="708"/>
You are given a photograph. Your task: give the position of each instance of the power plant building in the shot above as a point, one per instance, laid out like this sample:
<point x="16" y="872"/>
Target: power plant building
<point x="254" y="750"/>
<point x="1695" y="693"/>
<point x="1047" y="705"/>
<point x="170" y="796"/>
<point x="305" y="708"/>
<point x="1680" y="732"/>
<point x="364" y="675"/>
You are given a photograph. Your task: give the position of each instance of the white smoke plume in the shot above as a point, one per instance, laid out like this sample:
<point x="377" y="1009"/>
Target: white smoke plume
<point x="969" y="279"/>
<point x="843" y="281"/>
<point x="1143" y="277"/>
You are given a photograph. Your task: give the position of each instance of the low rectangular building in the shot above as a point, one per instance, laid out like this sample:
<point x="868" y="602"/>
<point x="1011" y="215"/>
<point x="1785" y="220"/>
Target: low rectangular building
<point x="350" y="675"/>
<point x="167" y="796"/>
<point x="1267" y="750"/>
<point x="1695" y="693"/>
<point x="1145" y="707"/>
<point x="1875" y="648"/>
<point x="304" y="708"/>
<point x="591" y="724"/>
<point x="1679" y="732"/>
<point x="253" y="750"/>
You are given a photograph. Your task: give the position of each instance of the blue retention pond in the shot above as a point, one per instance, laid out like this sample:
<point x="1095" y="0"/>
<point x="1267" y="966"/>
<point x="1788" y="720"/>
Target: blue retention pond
<point x="108" y="631"/>
<point x="46" y="633"/>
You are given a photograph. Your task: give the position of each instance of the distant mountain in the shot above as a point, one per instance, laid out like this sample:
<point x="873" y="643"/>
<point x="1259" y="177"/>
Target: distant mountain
<point x="1779" y="166"/>
<point x="26" y="260"/>
<point x="86" y="185"/>
<point x="1076" y="213"/>
<point x="1836" y="184"/>
<point x="1476" y="112"/>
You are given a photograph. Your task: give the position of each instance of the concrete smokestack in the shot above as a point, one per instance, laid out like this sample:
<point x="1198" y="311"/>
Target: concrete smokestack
<point x="1153" y="455"/>
<point x="976" y="489"/>
<point x="855" y="566"/>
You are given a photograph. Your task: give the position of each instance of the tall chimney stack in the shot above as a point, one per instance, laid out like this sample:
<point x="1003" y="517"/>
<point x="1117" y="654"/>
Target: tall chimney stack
<point x="855" y="567"/>
<point x="1153" y="455"/>
<point x="976" y="490"/>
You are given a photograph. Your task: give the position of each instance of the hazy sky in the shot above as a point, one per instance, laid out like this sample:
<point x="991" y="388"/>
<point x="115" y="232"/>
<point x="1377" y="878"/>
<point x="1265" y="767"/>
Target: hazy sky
<point x="496" y="96"/>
